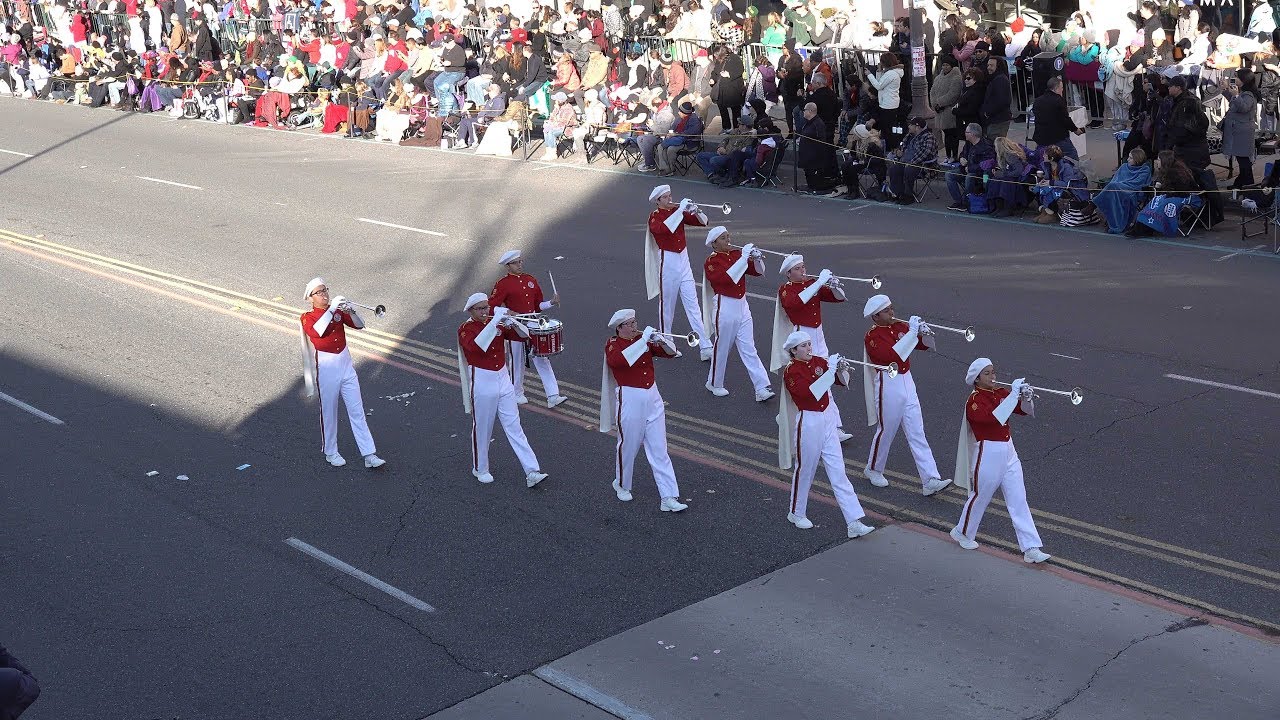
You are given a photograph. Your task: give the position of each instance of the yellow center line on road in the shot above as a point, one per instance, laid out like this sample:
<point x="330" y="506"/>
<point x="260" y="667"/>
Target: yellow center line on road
<point x="442" y="360"/>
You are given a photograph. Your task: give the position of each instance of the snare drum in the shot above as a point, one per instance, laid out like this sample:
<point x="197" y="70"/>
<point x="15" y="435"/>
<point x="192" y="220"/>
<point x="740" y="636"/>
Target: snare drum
<point x="548" y="341"/>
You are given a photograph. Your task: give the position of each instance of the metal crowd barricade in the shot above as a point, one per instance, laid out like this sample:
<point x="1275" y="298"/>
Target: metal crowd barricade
<point x="476" y="36"/>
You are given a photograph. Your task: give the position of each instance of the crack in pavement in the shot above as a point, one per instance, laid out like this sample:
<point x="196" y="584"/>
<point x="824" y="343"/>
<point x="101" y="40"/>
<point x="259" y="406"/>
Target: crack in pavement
<point x="1184" y="624"/>
<point x="1117" y="421"/>
<point x="217" y="621"/>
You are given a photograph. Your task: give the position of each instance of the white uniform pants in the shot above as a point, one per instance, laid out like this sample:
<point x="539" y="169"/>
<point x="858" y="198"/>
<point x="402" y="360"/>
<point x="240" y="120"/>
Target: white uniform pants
<point x="493" y="396"/>
<point x="642" y="421"/>
<point x="515" y="362"/>
<point x="996" y="465"/>
<point x="336" y="377"/>
<point x="678" y="286"/>
<point x="819" y="340"/>
<point x="735" y="328"/>
<point x="816" y="440"/>
<point x="898" y="407"/>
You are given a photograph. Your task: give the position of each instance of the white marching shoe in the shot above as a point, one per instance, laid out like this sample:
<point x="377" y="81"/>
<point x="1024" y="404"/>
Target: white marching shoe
<point x="534" y="478"/>
<point x="935" y="485"/>
<point x="803" y="523"/>
<point x="840" y="433"/>
<point x="521" y="400"/>
<point x="335" y="460"/>
<point x="555" y="400"/>
<point x="1035" y="555"/>
<point x="858" y="529"/>
<point x="373" y="461"/>
<point x="876" y="477"/>
<point x="672" y="505"/>
<point x="765" y="395"/>
<point x="679" y="354"/>
<point x="706" y="354"/>
<point x="718" y="392"/>
<point x="963" y="541"/>
<point x="623" y="495"/>
<point x="482" y="477"/>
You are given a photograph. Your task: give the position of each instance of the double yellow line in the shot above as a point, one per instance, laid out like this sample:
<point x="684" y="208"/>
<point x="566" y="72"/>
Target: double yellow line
<point x="727" y="447"/>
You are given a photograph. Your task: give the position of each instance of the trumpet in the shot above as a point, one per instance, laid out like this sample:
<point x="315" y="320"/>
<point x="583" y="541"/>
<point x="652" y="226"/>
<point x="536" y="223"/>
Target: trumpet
<point x="967" y="332"/>
<point x="533" y="318"/>
<point x="847" y="364"/>
<point x="378" y="310"/>
<point x="762" y="250"/>
<point x="1074" y="394"/>
<point x="725" y="208"/>
<point x="835" y="280"/>
<point x="692" y="338"/>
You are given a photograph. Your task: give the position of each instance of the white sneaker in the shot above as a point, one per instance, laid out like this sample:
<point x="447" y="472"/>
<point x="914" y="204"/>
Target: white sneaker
<point x="803" y="523"/>
<point x="482" y="477"/>
<point x="335" y="460"/>
<point x="843" y="435"/>
<point x="550" y="154"/>
<point x="623" y="495"/>
<point x="555" y="400"/>
<point x="1035" y="555"/>
<point x="534" y="478"/>
<point x="672" y="505"/>
<point x="706" y="354"/>
<point x="718" y="392"/>
<point x="935" y="485"/>
<point x="373" y="461"/>
<point x="858" y="529"/>
<point x="765" y="396"/>
<point x="876" y="477"/>
<point x="521" y="400"/>
<point x="964" y="542"/>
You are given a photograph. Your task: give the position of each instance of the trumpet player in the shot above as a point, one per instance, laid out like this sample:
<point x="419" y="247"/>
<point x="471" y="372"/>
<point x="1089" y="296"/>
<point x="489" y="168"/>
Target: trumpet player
<point x="487" y="391"/>
<point x="724" y="300"/>
<point x="892" y="402"/>
<point x="668" y="276"/>
<point x="807" y="432"/>
<point x="328" y="372"/>
<point x="630" y="401"/>
<point x="799" y="308"/>
<point x="521" y="294"/>
<point x="987" y="460"/>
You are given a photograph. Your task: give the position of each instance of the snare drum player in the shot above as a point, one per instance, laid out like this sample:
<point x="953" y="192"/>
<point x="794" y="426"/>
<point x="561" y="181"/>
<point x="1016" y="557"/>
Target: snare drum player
<point x="985" y="455"/>
<point x="328" y="372"/>
<point x="630" y="401"/>
<point x="521" y="294"/>
<point x="724" y="300"/>
<point x="486" y="387"/>
<point x="667" y="273"/>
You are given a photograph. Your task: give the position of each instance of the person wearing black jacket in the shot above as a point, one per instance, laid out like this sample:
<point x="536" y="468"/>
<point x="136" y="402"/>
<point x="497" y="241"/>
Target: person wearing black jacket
<point x="815" y="156"/>
<point x="827" y="102"/>
<point x="728" y="86"/>
<point x="996" y="103"/>
<point x="535" y="75"/>
<point x="969" y="108"/>
<point x="1186" y="136"/>
<point x="1053" y="123"/>
<point x="202" y="45"/>
<point x="18" y="687"/>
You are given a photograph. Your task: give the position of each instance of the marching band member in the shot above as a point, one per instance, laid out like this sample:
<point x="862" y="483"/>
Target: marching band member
<point x="891" y="401"/>
<point x="667" y="274"/>
<point x="986" y="454"/>
<point x="486" y="388"/>
<point x="799" y="308"/>
<point x="724" y="300"/>
<point x="629" y="401"/>
<point x="521" y="294"/>
<point x="327" y="368"/>
<point x="807" y="413"/>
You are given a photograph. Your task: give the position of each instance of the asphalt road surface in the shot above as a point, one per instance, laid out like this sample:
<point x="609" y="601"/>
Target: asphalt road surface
<point x="152" y="272"/>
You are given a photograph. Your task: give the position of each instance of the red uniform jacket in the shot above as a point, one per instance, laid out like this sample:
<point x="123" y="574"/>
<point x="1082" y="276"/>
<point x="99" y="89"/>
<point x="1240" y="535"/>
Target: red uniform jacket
<point x="880" y="340"/>
<point x="518" y="293"/>
<point x="801" y="313"/>
<point x="334" y="339"/>
<point x="799" y="375"/>
<point x="717" y="267"/>
<point x="639" y="375"/>
<point x="980" y="409"/>
<point x="667" y="240"/>
<point x="495" y="358"/>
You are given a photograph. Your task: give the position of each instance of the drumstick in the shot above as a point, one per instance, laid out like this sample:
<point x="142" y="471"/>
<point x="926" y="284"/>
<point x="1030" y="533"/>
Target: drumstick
<point x="553" y="283"/>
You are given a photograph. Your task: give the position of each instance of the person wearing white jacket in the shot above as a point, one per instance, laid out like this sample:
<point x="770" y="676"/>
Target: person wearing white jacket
<point x="887" y="84"/>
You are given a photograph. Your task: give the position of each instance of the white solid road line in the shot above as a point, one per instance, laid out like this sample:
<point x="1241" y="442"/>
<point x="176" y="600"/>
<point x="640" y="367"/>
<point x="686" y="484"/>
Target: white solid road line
<point x="34" y="411"/>
<point x="1225" y="386"/>
<point x="15" y="152"/>
<point x="758" y="296"/>
<point x="589" y="694"/>
<point x="360" y="575"/>
<point x="402" y="227"/>
<point x="169" y="182"/>
<point x="1069" y="357"/>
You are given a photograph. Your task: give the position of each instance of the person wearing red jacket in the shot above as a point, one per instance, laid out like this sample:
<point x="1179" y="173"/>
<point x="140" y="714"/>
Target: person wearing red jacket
<point x="724" y="290"/>
<point x="487" y="392"/>
<point x="668" y="276"/>
<point x="630" y="402"/>
<point x="986" y="459"/>
<point x="892" y="402"/>
<point x="808" y="434"/>
<point x="520" y="293"/>
<point x="328" y="372"/>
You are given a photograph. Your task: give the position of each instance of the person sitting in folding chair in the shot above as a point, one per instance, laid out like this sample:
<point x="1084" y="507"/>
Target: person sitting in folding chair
<point x="906" y="164"/>
<point x="1176" y="189"/>
<point x="687" y="130"/>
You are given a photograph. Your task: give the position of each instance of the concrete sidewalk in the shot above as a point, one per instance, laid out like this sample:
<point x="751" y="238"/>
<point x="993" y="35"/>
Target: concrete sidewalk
<point x="904" y="624"/>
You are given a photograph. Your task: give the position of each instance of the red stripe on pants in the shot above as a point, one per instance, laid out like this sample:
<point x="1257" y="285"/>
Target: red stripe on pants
<point x="715" y="344"/>
<point x="319" y="396"/>
<point x="795" y="477"/>
<point x="475" y="453"/>
<point x="875" y="448"/>
<point x="620" y="438"/>
<point x="969" y="506"/>
<point x="662" y="307"/>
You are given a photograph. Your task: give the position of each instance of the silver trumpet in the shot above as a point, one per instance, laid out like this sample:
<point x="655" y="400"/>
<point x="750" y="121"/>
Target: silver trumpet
<point x="762" y="250"/>
<point x="692" y="338"/>
<point x="836" y="280"/>
<point x="848" y="363"/>
<point x="967" y="332"/>
<point x="378" y="310"/>
<point x="1074" y="394"/>
<point x="533" y="318"/>
<point x="725" y="208"/>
